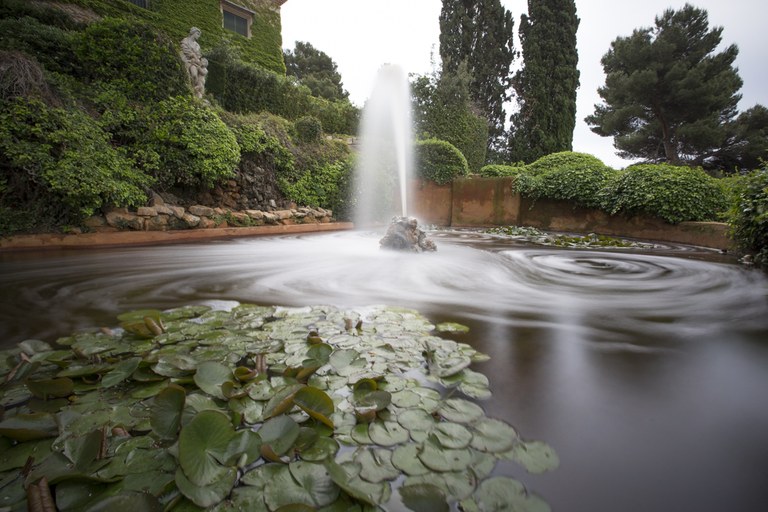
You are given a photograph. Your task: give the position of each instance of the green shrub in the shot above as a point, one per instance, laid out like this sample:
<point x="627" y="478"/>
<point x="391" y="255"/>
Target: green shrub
<point x="749" y="215"/>
<point x="62" y="162"/>
<point x="49" y="45"/>
<point x="498" y="170"/>
<point x="439" y="161"/>
<point x="326" y="185"/>
<point x="195" y="147"/>
<point x="675" y="194"/>
<point x="570" y="176"/>
<point x="309" y="128"/>
<point x="133" y="56"/>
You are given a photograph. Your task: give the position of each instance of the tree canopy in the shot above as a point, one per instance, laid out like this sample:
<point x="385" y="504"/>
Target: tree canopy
<point x="480" y="35"/>
<point x="668" y="95"/>
<point x="315" y="69"/>
<point x="546" y="86"/>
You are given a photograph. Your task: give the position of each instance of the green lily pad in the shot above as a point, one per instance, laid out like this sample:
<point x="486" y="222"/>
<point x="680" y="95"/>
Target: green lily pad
<point x="534" y="456"/>
<point x="282" y="400"/>
<point x="322" y="449"/>
<point x="280" y="433"/>
<point x="387" y="433"/>
<point x="201" y="444"/>
<point x="83" y="450"/>
<point x="51" y="388"/>
<point x="423" y="498"/>
<point x="13" y="457"/>
<point x="493" y="436"/>
<point x="376" y="464"/>
<point x="452" y="435"/>
<point x="462" y="411"/>
<point x="301" y="482"/>
<point x="438" y="458"/>
<point x="29" y="427"/>
<point x="210" y="494"/>
<point x="503" y="493"/>
<point x="345" y="476"/>
<point x="122" y="370"/>
<point x="418" y="422"/>
<point x="406" y="458"/>
<point x="210" y="376"/>
<point x="167" y="410"/>
<point x="451" y="327"/>
<point x="316" y="403"/>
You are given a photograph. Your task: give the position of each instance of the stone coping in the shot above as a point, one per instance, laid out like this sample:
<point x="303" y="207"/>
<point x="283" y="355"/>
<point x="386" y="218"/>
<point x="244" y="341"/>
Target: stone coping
<point x="120" y="238"/>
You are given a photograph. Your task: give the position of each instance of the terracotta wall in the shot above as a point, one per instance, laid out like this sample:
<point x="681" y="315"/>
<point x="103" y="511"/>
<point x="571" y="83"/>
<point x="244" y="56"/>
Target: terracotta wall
<point x="484" y="202"/>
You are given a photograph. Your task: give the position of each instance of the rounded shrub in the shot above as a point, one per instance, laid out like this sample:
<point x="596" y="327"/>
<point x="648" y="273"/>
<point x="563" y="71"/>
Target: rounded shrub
<point x="308" y="128"/>
<point x="142" y="61"/>
<point x="576" y="177"/>
<point x="675" y="194"/>
<point x="326" y="185"/>
<point x="195" y="146"/>
<point x="439" y="161"/>
<point x="748" y="215"/>
<point x="63" y="163"/>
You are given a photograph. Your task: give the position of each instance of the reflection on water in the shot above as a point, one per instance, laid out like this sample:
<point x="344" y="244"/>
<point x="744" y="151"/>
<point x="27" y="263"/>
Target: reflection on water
<point x="647" y="373"/>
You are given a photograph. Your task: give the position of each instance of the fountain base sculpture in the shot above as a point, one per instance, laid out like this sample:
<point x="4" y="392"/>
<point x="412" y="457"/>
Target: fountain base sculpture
<point x="404" y="234"/>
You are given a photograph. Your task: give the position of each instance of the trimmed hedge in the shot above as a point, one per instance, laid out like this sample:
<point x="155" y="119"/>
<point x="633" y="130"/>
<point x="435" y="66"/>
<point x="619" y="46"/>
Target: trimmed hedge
<point x="675" y="194"/>
<point x="439" y="161"/>
<point x="500" y="171"/>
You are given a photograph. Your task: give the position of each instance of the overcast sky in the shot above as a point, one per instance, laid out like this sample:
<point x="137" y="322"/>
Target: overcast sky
<point x="361" y="35"/>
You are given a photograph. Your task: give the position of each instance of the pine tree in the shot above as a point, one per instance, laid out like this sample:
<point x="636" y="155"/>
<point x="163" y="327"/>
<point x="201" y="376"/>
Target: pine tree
<point x="668" y="96"/>
<point x="480" y="34"/>
<point x="315" y="69"/>
<point x="546" y="85"/>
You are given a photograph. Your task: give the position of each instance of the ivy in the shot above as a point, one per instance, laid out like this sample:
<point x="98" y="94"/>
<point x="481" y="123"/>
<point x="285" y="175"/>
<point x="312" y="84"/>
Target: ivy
<point x="439" y="161"/>
<point x="749" y="215"/>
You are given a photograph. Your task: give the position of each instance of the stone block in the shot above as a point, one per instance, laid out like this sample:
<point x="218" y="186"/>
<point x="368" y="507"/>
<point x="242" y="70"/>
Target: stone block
<point x="162" y="209"/>
<point x="146" y="211"/>
<point x="95" y="221"/>
<point x="191" y="220"/>
<point x="255" y="214"/>
<point x="178" y="211"/>
<point x="283" y="214"/>
<point x="119" y="219"/>
<point x="157" y="223"/>
<point x="201" y="211"/>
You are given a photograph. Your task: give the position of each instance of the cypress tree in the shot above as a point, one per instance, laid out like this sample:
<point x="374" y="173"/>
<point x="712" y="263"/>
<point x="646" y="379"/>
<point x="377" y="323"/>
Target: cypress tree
<point x="546" y="85"/>
<point x="480" y="34"/>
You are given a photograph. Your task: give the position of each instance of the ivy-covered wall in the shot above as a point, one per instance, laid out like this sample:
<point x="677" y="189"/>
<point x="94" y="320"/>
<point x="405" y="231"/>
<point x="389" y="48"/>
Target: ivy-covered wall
<point x="264" y="47"/>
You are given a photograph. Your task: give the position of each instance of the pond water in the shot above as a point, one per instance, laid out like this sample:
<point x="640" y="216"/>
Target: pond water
<point x="647" y="372"/>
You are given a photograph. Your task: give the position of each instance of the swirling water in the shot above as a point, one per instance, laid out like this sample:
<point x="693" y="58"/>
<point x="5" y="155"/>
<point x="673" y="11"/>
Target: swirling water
<point x="647" y="372"/>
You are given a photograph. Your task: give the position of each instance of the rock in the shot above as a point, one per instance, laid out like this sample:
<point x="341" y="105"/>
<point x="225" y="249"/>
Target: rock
<point x="121" y="219"/>
<point x="162" y="209"/>
<point x="270" y="218"/>
<point x="201" y="211"/>
<point x="178" y="211"/>
<point x="95" y="221"/>
<point x="255" y="214"/>
<point x="157" y="223"/>
<point x="240" y="218"/>
<point x="155" y="199"/>
<point x="190" y="220"/>
<point x="404" y="234"/>
<point x="146" y="211"/>
<point x="206" y="223"/>
<point x="283" y="214"/>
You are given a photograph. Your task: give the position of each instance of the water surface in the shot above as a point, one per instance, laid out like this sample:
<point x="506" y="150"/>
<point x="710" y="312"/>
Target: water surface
<point x="648" y="373"/>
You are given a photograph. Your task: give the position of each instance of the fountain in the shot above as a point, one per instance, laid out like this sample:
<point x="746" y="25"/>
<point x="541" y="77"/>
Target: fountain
<point x="386" y="161"/>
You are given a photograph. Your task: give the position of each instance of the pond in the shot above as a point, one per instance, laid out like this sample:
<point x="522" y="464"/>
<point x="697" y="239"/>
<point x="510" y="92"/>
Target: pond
<point x="646" y="371"/>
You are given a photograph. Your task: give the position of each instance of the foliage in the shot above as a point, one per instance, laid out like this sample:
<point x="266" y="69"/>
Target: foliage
<point x="672" y="193"/>
<point x="194" y="145"/>
<point x="668" y="97"/>
<point x="443" y="110"/>
<point x="439" y="161"/>
<point x="132" y="56"/>
<point x="309" y="128"/>
<point x="748" y="215"/>
<point x="262" y="139"/>
<point x="316" y="70"/>
<point x="50" y="45"/>
<point x="194" y="409"/>
<point x="326" y="185"/>
<point x="241" y="87"/>
<point x="480" y="36"/>
<point x="575" y="177"/>
<point x="62" y="162"/>
<point x="546" y="86"/>
<point x="746" y="143"/>
<point x="589" y="241"/>
<point x="499" y="170"/>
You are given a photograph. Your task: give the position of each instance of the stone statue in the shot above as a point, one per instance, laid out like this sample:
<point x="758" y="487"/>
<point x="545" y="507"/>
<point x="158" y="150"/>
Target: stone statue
<point x="404" y="234"/>
<point x="197" y="66"/>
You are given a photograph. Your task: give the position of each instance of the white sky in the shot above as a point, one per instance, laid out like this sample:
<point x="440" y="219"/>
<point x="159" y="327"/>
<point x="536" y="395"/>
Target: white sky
<point x="361" y="35"/>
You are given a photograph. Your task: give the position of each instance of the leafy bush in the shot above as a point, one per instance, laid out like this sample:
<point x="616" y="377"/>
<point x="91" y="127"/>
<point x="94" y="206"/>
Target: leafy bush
<point x="133" y="56"/>
<point x="672" y="193"/>
<point x="308" y="129"/>
<point x="61" y="161"/>
<point x="439" y="161"/>
<point x="749" y="215"/>
<point x="498" y="170"/>
<point x="575" y="177"/>
<point x="194" y="145"/>
<point x="49" y="45"/>
<point x="326" y="185"/>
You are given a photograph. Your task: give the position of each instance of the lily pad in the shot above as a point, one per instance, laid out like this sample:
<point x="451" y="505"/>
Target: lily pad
<point x="423" y="498"/>
<point x="452" y="435"/>
<point x="316" y="403"/>
<point x="503" y="493"/>
<point x="210" y="377"/>
<point x="29" y="427"/>
<point x="534" y="456"/>
<point x="451" y="327"/>
<point x="493" y="436"/>
<point x="376" y="464"/>
<point x="280" y="433"/>
<point x="442" y="459"/>
<point x="210" y="494"/>
<point x="167" y="409"/>
<point x="406" y="459"/>
<point x="387" y="433"/>
<point x="51" y="388"/>
<point x="462" y="411"/>
<point x="201" y="444"/>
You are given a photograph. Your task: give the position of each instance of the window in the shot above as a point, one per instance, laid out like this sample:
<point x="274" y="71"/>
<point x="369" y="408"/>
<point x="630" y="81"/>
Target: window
<point x="235" y="23"/>
<point x="238" y="19"/>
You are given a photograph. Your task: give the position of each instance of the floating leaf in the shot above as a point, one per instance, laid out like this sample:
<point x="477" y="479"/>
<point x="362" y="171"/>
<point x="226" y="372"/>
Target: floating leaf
<point x="83" y="450"/>
<point x="376" y="464"/>
<point x="493" y="436"/>
<point x="210" y="494"/>
<point x="167" y="409"/>
<point x="301" y="483"/>
<point x="534" y="456"/>
<point x="452" y="435"/>
<point x="345" y="477"/>
<point x="280" y="433"/>
<point x="120" y="372"/>
<point x="406" y="459"/>
<point x="418" y="422"/>
<point x="502" y="493"/>
<point x="282" y="400"/>
<point x="201" y="442"/>
<point x="29" y="427"/>
<point x="423" y="498"/>
<point x="387" y="433"/>
<point x="51" y="388"/>
<point x="322" y="449"/>
<point x="16" y="456"/>
<point x="438" y="458"/>
<point x="451" y="327"/>
<point x="210" y="376"/>
<point x="316" y="403"/>
<point x="459" y="410"/>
